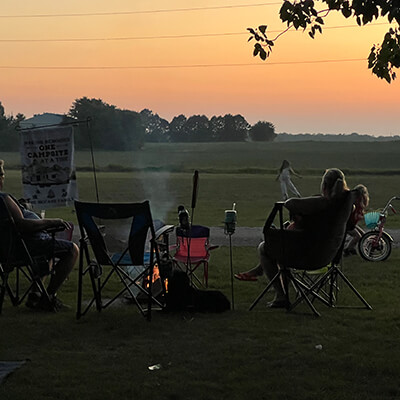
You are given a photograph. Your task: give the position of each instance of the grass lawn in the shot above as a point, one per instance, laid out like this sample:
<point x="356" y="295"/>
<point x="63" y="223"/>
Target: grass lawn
<point x="262" y="354"/>
<point x="254" y="194"/>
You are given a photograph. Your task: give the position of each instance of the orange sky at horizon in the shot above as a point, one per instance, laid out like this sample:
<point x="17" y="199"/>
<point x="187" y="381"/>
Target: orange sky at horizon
<point x="296" y="96"/>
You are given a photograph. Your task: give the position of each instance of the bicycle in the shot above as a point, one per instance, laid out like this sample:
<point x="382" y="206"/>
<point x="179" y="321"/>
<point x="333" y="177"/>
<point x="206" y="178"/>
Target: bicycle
<point x="376" y="244"/>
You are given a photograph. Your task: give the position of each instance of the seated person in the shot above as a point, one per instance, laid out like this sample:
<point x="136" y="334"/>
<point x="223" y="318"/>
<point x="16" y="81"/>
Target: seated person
<point x="40" y="243"/>
<point x="305" y="241"/>
<point x="353" y="230"/>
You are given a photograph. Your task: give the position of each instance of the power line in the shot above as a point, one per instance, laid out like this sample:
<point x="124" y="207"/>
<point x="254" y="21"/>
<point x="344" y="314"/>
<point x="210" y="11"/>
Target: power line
<point x="126" y="38"/>
<point x="31" y="67"/>
<point x="97" y="14"/>
<point x="185" y="36"/>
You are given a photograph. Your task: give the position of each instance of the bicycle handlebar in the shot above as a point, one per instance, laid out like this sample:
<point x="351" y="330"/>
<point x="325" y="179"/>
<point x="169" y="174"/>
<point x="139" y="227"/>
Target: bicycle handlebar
<point x="388" y="203"/>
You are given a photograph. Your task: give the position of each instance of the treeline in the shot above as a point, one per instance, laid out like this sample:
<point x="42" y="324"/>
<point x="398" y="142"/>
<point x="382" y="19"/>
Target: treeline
<point x="341" y="137"/>
<point x="8" y="124"/>
<point x="198" y="128"/>
<point x="112" y="128"/>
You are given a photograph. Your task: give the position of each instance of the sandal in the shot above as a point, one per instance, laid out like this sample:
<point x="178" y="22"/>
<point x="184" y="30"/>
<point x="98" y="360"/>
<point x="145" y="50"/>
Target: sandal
<point x="244" y="276"/>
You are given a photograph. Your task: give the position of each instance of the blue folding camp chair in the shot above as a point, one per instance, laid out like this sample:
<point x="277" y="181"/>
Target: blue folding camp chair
<point x="109" y="274"/>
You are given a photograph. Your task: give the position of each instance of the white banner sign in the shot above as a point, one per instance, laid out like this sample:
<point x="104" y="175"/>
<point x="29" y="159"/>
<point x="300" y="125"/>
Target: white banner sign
<point x="48" y="171"/>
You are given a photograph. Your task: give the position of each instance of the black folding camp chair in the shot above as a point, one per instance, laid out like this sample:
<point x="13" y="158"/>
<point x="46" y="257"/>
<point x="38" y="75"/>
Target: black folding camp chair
<point x="20" y="272"/>
<point x="327" y="254"/>
<point x="126" y="273"/>
<point x="328" y="283"/>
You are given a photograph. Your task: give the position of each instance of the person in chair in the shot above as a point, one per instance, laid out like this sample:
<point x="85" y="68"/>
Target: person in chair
<point x="40" y="243"/>
<point x="310" y="235"/>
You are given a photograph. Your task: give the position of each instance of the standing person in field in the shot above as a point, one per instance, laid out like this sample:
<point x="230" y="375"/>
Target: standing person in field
<point x="284" y="174"/>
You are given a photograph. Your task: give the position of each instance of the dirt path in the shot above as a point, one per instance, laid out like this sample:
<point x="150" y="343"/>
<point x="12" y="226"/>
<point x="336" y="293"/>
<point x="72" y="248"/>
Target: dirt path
<point x="245" y="236"/>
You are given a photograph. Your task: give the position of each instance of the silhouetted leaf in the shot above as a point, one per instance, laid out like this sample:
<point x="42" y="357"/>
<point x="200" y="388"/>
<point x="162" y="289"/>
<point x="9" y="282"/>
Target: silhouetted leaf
<point x="263" y="54"/>
<point x="346" y="12"/>
<point x="262" y="28"/>
<point x="256" y="49"/>
<point x="251" y="30"/>
<point x="319" y="20"/>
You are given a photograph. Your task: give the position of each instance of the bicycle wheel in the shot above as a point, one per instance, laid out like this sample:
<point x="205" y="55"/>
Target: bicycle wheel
<point x="371" y="249"/>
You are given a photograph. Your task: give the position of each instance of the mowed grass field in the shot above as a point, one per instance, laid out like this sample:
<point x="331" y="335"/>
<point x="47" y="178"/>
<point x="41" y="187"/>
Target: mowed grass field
<point x="262" y="354"/>
<point x="241" y="173"/>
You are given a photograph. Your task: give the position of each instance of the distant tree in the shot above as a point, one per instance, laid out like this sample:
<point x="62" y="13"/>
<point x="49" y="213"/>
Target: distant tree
<point x="131" y="131"/>
<point x="177" y="129"/>
<point x="197" y="128"/>
<point x="217" y="124"/>
<point x="8" y="133"/>
<point x="383" y="58"/>
<point x="262" y="131"/>
<point x="111" y="128"/>
<point x="156" y="128"/>
<point x="232" y="128"/>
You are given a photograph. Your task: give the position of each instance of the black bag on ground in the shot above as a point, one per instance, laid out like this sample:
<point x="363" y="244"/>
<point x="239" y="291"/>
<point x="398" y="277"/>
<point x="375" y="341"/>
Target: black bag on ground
<point x="182" y="297"/>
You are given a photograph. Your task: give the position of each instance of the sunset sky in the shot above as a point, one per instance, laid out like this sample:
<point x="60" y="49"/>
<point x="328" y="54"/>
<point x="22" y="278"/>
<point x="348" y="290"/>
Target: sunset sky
<point x="185" y="57"/>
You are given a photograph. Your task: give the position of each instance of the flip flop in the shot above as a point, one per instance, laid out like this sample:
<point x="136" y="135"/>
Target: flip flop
<point x="245" y="277"/>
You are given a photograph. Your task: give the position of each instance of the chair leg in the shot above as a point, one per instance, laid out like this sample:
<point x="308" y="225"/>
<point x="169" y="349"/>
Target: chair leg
<point x="3" y="277"/>
<point x="352" y="288"/>
<point x="331" y="278"/>
<point x="262" y="294"/>
<point x="303" y="297"/>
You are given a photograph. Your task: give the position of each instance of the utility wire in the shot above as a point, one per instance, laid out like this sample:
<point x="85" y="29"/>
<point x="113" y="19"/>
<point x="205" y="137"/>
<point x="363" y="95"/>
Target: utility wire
<point x="97" y="14"/>
<point x="31" y="67"/>
<point x="168" y="36"/>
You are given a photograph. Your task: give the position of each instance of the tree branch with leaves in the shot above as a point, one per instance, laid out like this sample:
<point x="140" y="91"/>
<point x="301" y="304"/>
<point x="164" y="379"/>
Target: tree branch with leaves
<point x="383" y="58"/>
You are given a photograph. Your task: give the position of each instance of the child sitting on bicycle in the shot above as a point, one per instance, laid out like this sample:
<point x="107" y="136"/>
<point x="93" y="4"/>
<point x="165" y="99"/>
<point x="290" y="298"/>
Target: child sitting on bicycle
<point x="353" y="230"/>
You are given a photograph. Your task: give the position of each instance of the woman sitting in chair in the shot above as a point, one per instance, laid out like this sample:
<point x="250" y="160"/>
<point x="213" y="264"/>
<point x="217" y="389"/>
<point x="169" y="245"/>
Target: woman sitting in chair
<point x="307" y="239"/>
<point x="40" y="243"/>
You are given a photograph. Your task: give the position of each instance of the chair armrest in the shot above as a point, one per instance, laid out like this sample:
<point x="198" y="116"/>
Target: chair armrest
<point x="278" y="207"/>
<point x="164" y="230"/>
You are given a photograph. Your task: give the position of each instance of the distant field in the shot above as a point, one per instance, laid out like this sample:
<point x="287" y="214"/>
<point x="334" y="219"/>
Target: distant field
<point x="243" y="173"/>
<point x="245" y="157"/>
<point x="254" y="194"/>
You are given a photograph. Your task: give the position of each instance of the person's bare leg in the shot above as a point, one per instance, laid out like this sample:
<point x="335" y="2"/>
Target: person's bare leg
<point x="256" y="271"/>
<point x="62" y="269"/>
<point x="270" y="268"/>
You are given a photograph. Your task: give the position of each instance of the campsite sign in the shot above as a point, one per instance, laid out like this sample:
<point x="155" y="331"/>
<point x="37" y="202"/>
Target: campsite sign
<point x="48" y="171"/>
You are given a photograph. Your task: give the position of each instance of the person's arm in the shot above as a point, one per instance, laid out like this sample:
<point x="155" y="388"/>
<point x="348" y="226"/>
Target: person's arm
<point x="292" y="171"/>
<point x="32" y="225"/>
<point x="306" y="205"/>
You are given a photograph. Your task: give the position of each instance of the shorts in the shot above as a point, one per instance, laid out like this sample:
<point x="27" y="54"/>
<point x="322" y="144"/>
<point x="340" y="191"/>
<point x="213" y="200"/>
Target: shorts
<point x="48" y="247"/>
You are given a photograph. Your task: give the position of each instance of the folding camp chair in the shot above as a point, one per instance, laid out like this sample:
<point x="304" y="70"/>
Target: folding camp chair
<point x="330" y="246"/>
<point x="326" y="284"/>
<point x="108" y="273"/>
<point x="193" y="251"/>
<point x="16" y="258"/>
